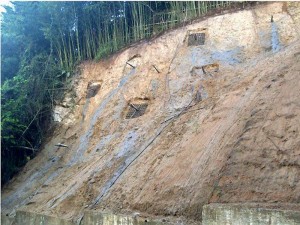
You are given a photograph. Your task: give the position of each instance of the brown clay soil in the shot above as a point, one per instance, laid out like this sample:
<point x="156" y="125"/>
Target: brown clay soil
<point x="227" y="134"/>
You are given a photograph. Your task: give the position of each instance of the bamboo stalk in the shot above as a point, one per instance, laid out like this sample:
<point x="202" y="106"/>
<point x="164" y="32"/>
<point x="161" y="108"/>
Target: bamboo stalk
<point x="121" y="23"/>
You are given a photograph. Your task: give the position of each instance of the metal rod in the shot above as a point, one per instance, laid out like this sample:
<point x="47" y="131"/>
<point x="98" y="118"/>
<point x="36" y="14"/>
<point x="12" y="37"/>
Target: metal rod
<point x="131" y="105"/>
<point x="130" y="64"/>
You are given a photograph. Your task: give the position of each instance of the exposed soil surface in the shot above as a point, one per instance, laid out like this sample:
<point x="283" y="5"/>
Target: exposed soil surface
<point x="163" y="128"/>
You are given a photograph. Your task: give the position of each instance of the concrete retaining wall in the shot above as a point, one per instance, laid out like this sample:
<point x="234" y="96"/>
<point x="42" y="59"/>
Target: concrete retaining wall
<point x="23" y="217"/>
<point x="5" y="220"/>
<point x="213" y="214"/>
<point x="112" y="219"/>
<point x="229" y="214"/>
<point x="89" y="218"/>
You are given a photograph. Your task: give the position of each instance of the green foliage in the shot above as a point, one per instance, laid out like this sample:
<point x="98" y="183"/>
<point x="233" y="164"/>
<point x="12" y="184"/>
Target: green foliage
<point x="28" y="71"/>
<point x="103" y="52"/>
<point x="26" y="107"/>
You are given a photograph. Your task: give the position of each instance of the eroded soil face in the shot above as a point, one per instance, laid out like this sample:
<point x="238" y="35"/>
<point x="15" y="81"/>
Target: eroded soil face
<point x="167" y="126"/>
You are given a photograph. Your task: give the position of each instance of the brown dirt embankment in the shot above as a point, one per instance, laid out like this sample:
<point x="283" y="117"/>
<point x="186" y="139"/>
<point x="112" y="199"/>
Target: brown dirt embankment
<point x="219" y="123"/>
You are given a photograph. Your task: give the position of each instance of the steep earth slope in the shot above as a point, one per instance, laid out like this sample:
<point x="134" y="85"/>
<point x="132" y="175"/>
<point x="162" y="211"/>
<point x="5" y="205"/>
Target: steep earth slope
<point x="169" y="125"/>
